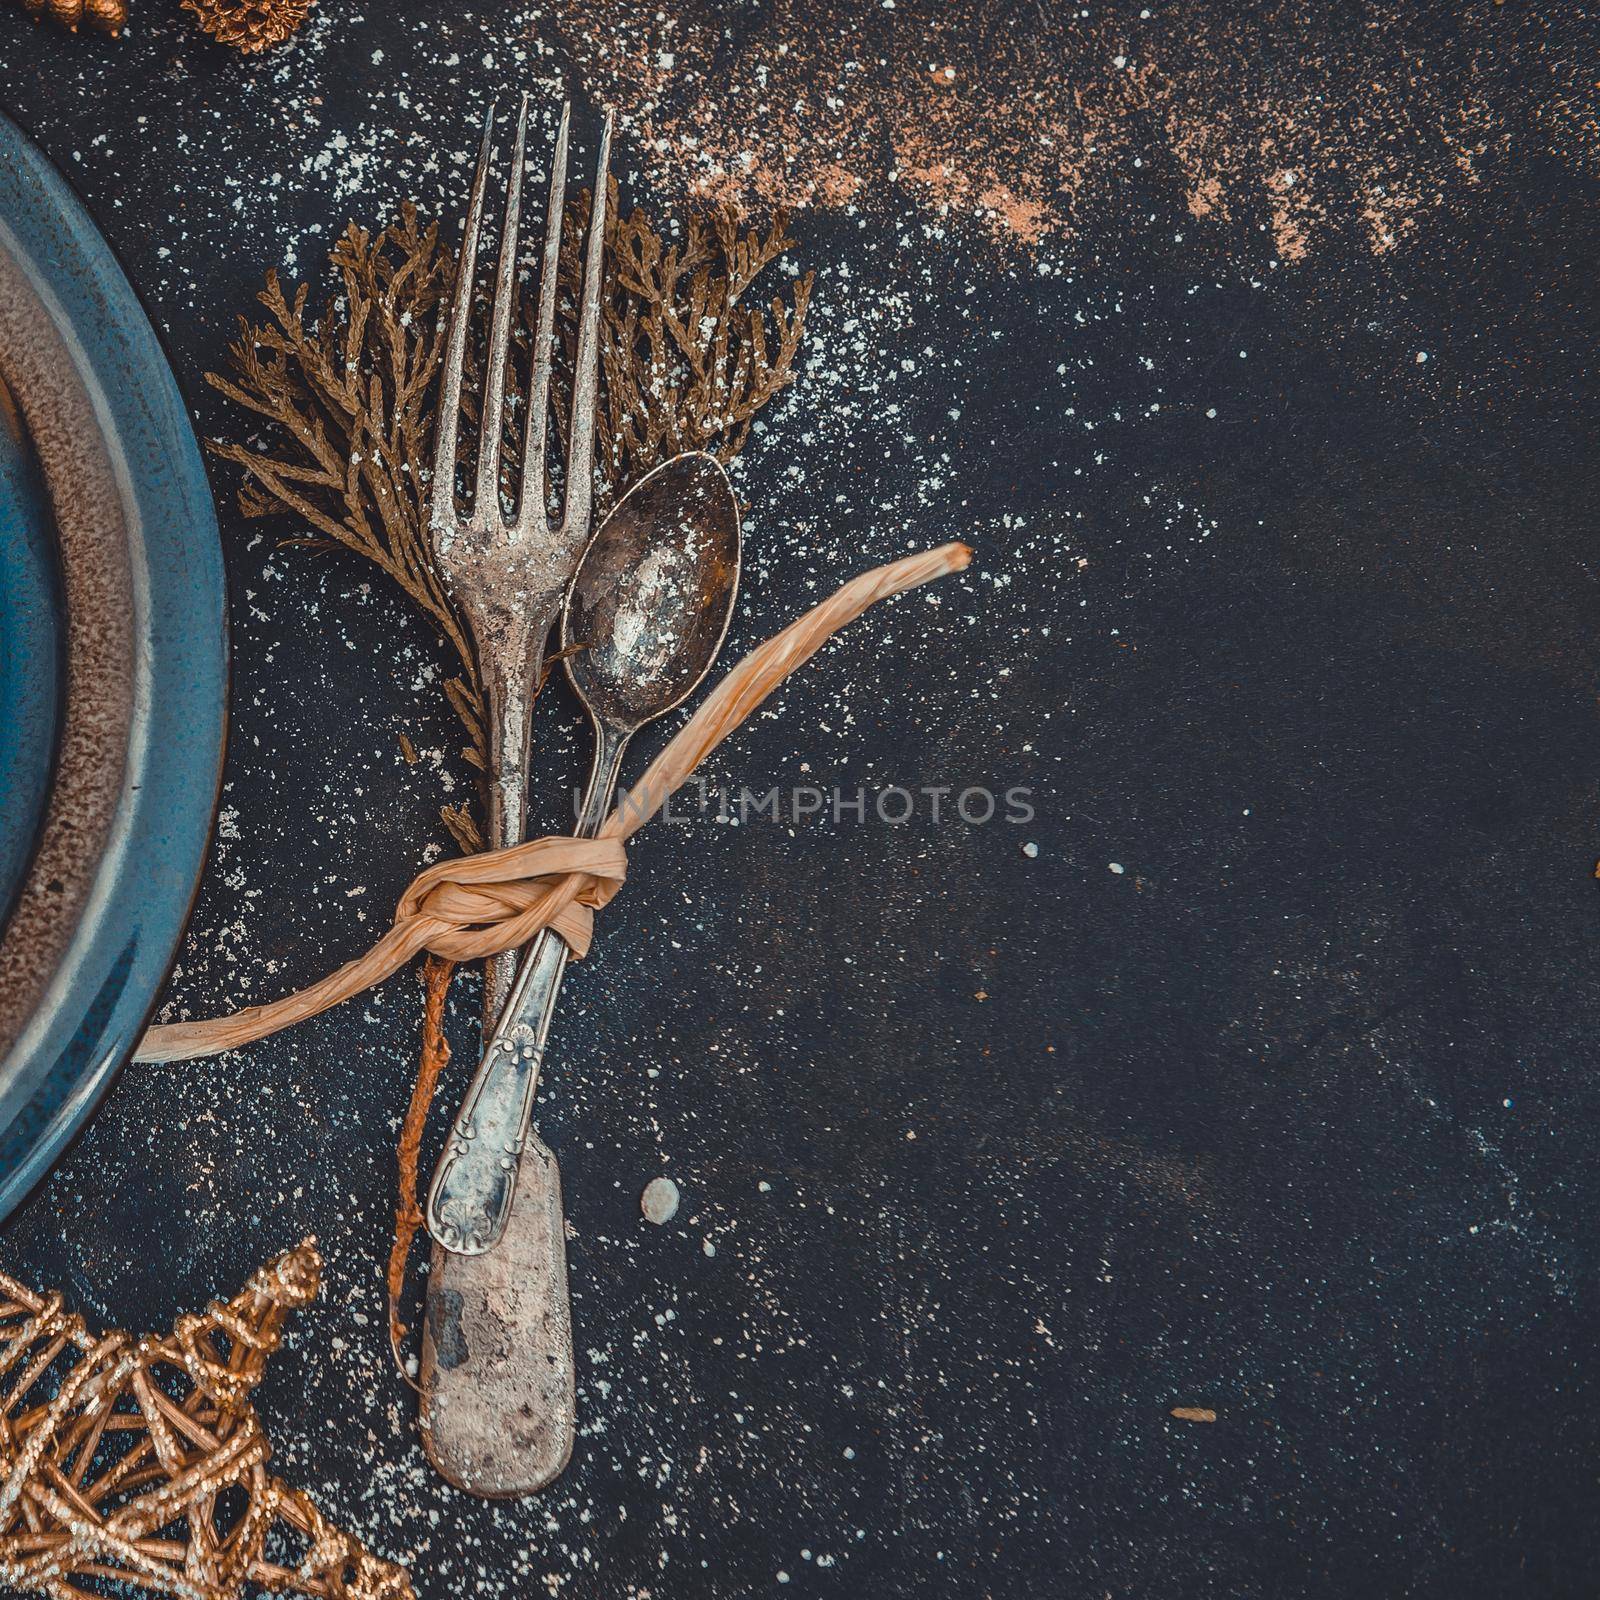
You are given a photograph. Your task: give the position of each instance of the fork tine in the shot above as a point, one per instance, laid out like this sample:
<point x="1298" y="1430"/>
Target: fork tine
<point x="445" y="430"/>
<point x="534" y="497"/>
<point x="586" y="371"/>
<point x="491" y="422"/>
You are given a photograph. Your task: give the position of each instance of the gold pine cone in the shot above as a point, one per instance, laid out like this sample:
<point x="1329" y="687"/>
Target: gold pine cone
<point x="250" y="25"/>
<point x="106" y="15"/>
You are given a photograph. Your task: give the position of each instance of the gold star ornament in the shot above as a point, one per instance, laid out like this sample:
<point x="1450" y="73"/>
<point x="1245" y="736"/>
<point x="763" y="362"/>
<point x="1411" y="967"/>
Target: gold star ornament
<point x="142" y="1463"/>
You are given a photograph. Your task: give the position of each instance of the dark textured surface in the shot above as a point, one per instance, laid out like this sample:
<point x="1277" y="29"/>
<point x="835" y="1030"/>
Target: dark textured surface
<point x="1001" y="1157"/>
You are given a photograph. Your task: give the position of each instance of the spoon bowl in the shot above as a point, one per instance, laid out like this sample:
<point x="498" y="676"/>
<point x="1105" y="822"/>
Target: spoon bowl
<point x="653" y="596"/>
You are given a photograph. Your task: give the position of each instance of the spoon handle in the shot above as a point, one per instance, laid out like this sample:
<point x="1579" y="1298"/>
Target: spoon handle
<point x="477" y="1176"/>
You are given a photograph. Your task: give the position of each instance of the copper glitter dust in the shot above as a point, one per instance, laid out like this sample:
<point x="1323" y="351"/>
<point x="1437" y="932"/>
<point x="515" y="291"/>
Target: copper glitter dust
<point x="1032" y="121"/>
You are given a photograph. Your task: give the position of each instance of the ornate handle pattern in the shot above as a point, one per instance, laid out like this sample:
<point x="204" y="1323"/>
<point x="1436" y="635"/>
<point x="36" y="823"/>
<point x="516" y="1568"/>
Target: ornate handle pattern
<point x="477" y="1178"/>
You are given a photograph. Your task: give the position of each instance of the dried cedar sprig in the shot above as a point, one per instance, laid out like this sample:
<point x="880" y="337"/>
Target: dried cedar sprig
<point x="350" y="396"/>
<point x="408" y="1218"/>
<point x="685" y="364"/>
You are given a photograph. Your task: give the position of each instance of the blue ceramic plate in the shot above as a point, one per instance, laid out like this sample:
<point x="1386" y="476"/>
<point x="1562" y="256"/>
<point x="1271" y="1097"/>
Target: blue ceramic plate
<point x="31" y="654"/>
<point x="113" y="666"/>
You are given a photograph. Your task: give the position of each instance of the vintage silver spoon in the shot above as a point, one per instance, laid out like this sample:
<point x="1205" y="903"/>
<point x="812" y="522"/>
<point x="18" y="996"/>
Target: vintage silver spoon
<point x="649" y="606"/>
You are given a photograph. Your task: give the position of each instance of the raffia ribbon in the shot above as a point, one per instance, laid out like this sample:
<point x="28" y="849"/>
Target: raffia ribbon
<point x="477" y="906"/>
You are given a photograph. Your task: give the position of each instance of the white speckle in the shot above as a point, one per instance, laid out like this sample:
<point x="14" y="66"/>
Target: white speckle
<point x="783" y="1577"/>
<point x="764" y="1187"/>
<point x="1119" y="62"/>
<point x="708" y="1249"/>
<point x="1422" y="356"/>
<point x="659" y="1202"/>
<point x="1031" y="850"/>
<point x="1118" y="868"/>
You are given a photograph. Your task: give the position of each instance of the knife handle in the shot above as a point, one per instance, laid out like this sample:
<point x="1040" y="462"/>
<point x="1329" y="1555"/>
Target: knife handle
<point x="499" y="1391"/>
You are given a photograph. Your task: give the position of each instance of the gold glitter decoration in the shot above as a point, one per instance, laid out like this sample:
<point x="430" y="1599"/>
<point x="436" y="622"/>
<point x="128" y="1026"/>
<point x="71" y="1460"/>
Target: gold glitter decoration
<point x="138" y="1466"/>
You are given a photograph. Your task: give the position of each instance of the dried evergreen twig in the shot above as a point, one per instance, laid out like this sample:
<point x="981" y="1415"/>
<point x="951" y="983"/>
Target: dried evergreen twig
<point x="686" y="361"/>
<point x="408" y="1218"/>
<point x="685" y="365"/>
<point x="351" y="400"/>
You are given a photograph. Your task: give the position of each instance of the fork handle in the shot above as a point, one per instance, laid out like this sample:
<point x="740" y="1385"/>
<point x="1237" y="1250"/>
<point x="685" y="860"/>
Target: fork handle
<point x="476" y="1181"/>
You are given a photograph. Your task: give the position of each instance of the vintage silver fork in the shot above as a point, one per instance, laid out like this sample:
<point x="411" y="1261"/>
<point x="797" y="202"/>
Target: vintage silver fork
<point x="499" y="1397"/>
<point x="509" y="574"/>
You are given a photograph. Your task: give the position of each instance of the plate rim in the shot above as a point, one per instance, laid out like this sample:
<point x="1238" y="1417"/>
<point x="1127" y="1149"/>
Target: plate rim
<point x="171" y="793"/>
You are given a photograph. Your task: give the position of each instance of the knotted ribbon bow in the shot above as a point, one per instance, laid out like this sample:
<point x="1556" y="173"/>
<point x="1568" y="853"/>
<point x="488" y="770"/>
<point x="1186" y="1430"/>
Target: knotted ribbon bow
<point x="476" y="906"/>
